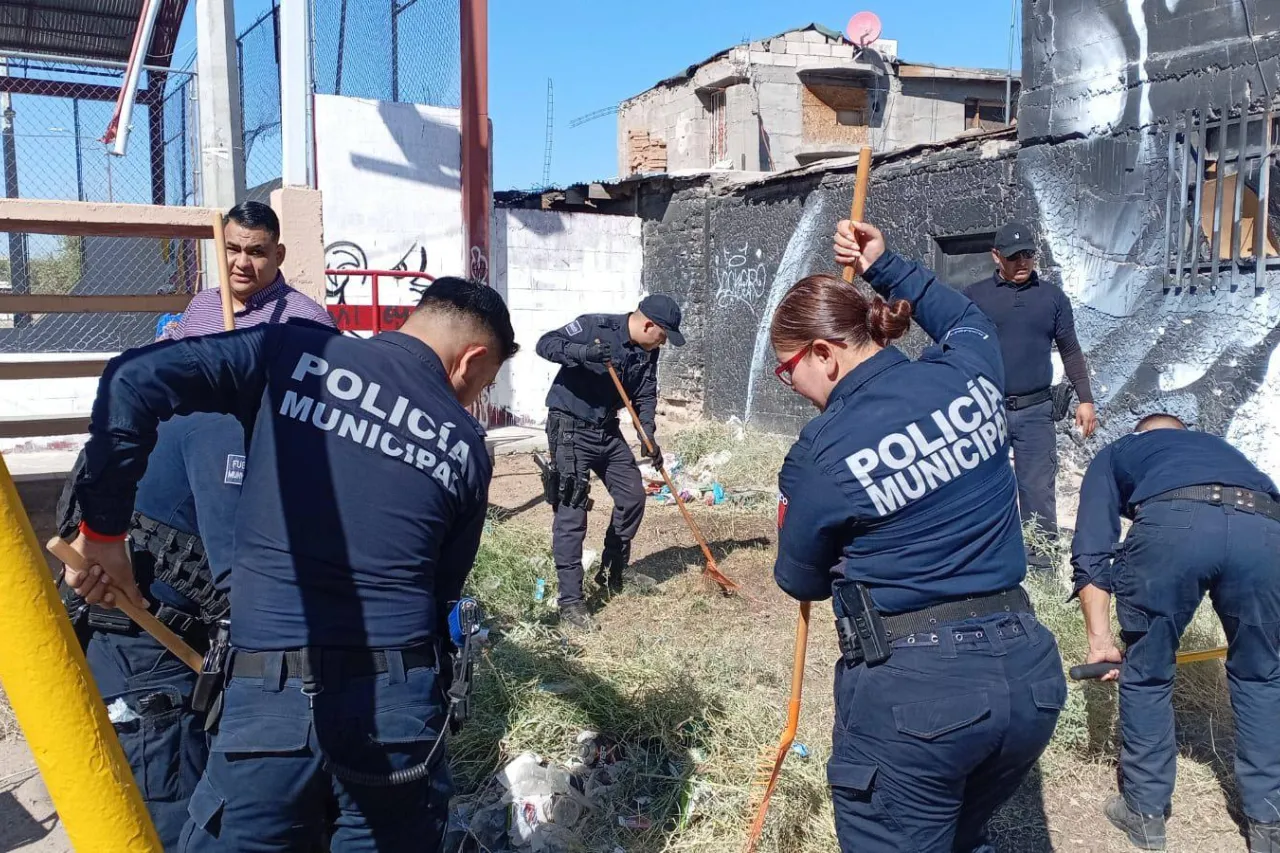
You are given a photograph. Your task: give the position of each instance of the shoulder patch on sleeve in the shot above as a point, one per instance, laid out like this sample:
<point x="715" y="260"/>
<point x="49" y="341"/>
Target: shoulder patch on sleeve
<point x="783" y="502"/>
<point x="965" y="330"/>
<point x="574" y="328"/>
<point x="235" y="470"/>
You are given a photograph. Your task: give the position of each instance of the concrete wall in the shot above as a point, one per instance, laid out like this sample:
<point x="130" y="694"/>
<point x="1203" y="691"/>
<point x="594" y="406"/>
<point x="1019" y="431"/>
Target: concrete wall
<point x="390" y="175"/>
<point x="553" y="267"/>
<point x="765" y="86"/>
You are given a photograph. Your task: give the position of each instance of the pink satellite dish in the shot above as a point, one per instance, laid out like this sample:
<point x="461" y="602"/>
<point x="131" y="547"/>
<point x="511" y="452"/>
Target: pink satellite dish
<point x="863" y="29"/>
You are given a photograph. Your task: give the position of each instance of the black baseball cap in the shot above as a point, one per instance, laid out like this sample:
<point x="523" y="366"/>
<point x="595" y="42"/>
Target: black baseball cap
<point x="1014" y="238"/>
<point x="665" y="313"/>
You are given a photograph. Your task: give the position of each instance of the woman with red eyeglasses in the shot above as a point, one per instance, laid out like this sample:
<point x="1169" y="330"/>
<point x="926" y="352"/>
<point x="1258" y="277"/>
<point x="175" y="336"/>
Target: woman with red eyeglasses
<point x="901" y="505"/>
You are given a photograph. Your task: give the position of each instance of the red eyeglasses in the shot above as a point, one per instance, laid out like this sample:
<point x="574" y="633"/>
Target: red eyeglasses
<point x="783" y="371"/>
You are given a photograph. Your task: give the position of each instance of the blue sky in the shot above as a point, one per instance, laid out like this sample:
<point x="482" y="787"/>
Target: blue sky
<point x="598" y="52"/>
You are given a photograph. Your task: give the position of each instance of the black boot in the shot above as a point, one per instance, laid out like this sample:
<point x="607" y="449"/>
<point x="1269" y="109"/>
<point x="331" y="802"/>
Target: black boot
<point x="575" y="614"/>
<point x="613" y="562"/>
<point x="1264" y="837"/>
<point x="1146" y="831"/>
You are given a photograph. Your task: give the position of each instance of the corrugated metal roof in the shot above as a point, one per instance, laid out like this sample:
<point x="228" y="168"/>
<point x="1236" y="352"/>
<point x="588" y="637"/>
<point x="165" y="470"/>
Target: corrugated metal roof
<point x="89" y="29"/>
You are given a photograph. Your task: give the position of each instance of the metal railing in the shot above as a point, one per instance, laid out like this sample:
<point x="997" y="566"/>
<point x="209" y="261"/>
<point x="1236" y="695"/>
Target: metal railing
<point x="375" y="317"/>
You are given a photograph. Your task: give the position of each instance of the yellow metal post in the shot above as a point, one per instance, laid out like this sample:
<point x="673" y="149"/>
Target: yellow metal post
<point x="56" y="702"/>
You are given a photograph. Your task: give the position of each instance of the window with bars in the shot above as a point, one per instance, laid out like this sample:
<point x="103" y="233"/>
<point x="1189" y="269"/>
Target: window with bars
<point x="1217" y="223"/>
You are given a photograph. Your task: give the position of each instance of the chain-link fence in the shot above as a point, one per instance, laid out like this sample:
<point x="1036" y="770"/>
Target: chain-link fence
<point x="52" y="119"/>
<point x="387" y="50"/>
<point x="258" y="57"/>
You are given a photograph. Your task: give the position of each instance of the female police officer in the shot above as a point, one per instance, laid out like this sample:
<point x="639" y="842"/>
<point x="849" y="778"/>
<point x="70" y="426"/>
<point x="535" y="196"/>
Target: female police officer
<point x="899" y="500"/>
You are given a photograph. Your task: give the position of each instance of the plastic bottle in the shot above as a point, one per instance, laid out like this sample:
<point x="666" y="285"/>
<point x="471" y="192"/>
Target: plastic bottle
<point x="540" y="589"/>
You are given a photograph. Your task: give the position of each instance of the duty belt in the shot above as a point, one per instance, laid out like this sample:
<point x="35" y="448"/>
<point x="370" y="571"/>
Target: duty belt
<point x="1015" y="402"/>
<point x="186" y="626"/>
<point x="922" y="621"/>
<point x="1244" y="500"/>
<point x="313" y="666"/>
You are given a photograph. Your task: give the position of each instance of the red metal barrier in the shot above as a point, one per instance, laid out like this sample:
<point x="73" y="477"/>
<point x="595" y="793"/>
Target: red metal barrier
<point x="375" y="317"/>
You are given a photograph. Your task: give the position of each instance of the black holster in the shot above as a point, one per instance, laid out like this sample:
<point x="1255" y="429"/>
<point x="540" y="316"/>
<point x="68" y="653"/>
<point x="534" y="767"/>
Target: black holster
<point x="207" y="695"/>
<point x="1062" y="396"/>
<point x="571" y="484"/>
<point x="859" y="628"/>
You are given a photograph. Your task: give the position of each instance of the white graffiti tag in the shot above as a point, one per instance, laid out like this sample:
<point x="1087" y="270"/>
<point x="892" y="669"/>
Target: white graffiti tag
<point x="739" y="281"/>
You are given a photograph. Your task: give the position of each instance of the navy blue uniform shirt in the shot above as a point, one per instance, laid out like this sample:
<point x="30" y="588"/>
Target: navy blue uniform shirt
<point x="365" y="487"/>
<point x="1138" y="467"/>
<point x="1029" y="319"/>
<point x="584" y="389"/>
<point x="192" y="484"/>
<point x="904" y="482"/>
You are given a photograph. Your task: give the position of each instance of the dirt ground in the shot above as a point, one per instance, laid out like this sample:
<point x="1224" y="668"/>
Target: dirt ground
<point x="1057" y="810"/>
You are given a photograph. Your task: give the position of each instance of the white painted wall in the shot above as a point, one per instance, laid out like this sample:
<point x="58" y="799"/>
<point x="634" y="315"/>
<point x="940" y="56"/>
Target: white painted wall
<point x="391" y="178"/>
<point x="553" y="267"/>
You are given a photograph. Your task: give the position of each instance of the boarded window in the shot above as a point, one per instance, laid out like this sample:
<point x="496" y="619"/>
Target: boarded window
<point x="836" y="114"/>
<point x="1219" y="192"/>
<point x="719" y="126"/>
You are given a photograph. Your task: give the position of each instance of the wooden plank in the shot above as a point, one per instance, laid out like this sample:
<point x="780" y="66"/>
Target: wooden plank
<point x="102" y="219"/>
<point x="18" y="427"/>
<point x="159" y="303"/>
<point x="52" y="369"/>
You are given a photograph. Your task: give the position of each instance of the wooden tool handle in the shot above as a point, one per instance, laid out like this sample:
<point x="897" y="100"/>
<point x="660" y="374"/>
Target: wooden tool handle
<point x="712" y="568"/>
<point x="224" y="273"/>
<point x="142" y="618"/>
<point x="859" y="207"/>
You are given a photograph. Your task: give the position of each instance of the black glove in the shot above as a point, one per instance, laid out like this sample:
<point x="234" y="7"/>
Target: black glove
<point x="654" y="454"/>
<point x="595" y="353"/>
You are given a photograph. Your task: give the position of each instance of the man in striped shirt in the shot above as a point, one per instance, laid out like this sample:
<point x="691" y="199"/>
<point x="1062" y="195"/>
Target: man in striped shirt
<point x="258" y="290"/>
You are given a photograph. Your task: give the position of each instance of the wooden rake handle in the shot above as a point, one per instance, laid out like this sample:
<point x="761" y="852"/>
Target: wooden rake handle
<point x="224" y="273"/>
<point x="712" y="569"/>
<point x="859" y="207"/>
<point x="793" y="724"/>
<point x="142" y="618"/>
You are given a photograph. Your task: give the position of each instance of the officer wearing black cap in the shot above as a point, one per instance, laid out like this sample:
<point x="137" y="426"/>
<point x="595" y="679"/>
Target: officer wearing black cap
<point x="898" y="501"/>
<point x="1030" y="316"/>
<point x="1204" y="519"/>
<point x="583" y="434"/>
<point x="362" y="506"/>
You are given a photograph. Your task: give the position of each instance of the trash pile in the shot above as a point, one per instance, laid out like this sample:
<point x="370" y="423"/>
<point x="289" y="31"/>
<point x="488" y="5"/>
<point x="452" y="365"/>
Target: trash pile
<point x="697" y="483"/>
<point x="539" y="806"/>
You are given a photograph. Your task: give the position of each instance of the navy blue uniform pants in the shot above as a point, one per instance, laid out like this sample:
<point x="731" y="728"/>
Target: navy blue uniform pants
<point x="930" y="743"/>
<point x="1035" y="464"/>
<point x="266" y="787"/>
<point x="1177" y="551"/>
<point x="163" y="739"/>
<point x="604" y="452"/>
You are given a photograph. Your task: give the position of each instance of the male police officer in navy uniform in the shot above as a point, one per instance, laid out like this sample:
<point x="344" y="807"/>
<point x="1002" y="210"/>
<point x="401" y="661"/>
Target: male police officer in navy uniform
<point x="181" y="535"/>
<point x="1030" y="316"/>
<point x="180" y="539"/>
<point x="1204" y="519"/>
<point x="361" y="511"/>
<point x="583" y="434"/>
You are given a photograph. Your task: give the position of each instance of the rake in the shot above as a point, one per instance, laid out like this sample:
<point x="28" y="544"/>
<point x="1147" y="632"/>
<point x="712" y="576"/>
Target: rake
<point x="771" y="766"/>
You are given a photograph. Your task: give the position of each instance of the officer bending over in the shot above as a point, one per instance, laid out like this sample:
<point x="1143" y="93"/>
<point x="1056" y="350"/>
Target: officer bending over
<point x="180" y="541"/>
<point x="899" y="500"/>
<point x="362" y="507"/>
<point x="1204" y="518"/>
<point x="583" y="434"/>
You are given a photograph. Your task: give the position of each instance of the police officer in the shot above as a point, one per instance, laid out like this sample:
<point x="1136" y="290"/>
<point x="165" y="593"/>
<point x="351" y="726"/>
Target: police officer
<point x="898" y="500"/>
<point x="583" y="434"/>
<point x="361" y="510"/>
<point x="180" y="539"/>
<point x="1204" y="519"/>
<point x="194" y="473"/>
<point x="1030" y="316"/>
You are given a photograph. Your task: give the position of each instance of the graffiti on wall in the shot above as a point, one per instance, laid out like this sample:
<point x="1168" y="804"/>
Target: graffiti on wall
<point x="347" y="255"/>
<point x="740" y="278"/>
